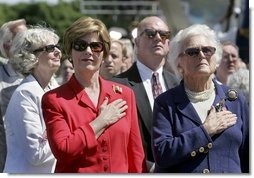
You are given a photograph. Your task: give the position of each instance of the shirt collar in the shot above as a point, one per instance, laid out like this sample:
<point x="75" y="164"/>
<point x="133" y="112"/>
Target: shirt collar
<point x="145" y="72"/>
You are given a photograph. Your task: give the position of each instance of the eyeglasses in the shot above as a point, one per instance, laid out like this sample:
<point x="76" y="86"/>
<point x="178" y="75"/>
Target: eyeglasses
<point x="48" y="48"/>
<point x="152" y="33"/>
<point x="81" y="45"/>
<point x="208" y="51"/>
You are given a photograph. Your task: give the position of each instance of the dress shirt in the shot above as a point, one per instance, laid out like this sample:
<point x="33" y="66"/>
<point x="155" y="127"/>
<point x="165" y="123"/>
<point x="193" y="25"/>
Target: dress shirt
<point x="146" y="76"/>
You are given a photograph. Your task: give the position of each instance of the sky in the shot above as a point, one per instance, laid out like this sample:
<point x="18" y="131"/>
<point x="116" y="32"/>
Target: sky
<point x="28" y="1"/>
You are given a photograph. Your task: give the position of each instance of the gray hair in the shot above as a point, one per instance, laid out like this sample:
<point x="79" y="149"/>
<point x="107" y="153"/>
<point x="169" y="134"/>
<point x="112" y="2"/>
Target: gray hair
<point x="24" y="44"/>
<point x="177" y="44"/>
<point x="7" y="34"/>
<point x="239" y="80"/>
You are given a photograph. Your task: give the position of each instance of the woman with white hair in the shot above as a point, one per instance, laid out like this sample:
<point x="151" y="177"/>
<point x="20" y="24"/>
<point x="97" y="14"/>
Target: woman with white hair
<point x="36" y="55"/>
<point x="199" y="126"/>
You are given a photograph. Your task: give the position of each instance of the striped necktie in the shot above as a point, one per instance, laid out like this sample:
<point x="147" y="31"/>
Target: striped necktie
<point x="156" y="86"/>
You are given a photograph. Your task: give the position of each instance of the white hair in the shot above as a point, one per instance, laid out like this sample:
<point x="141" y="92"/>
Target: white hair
<point x="177" y="44"/>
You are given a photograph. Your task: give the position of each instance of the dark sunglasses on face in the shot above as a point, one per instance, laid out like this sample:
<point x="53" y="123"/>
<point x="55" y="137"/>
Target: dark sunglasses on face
<point x="208" y="51"/>
<point x="48" y="48"/>
<point x="152" y="33"/>
<point x="81" y="45"/>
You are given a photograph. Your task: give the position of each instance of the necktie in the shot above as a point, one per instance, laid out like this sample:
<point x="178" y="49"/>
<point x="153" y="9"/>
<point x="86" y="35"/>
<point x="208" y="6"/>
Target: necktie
<point x="156" y="86"/>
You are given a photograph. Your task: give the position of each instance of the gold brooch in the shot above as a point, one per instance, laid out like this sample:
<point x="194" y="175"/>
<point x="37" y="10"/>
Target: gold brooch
<point x="117" y="89"/>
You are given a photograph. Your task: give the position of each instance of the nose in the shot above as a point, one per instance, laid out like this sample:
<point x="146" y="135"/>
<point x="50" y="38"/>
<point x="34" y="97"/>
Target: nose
<point x="57" y="51"/>
<point x="88" y="51"/>
<point x="109" y="59"/>
<point x="157" y="35"/>
<point x="231" y="58"/>
<point x="201" y="53"/>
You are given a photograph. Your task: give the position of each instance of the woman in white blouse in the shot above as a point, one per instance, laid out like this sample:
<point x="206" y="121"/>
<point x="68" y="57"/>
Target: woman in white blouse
<point x="37" y="57"/>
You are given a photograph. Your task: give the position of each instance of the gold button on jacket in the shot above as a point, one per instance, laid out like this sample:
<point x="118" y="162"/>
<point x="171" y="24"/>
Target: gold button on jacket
<point x="201" y="149"/>
<point x="210" y="145"/>
<point x="193" y="153"/>
<point x="206" y="171"/>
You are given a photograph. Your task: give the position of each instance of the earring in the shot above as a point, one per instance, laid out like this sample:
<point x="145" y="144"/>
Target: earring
<point x="180" y="70"/>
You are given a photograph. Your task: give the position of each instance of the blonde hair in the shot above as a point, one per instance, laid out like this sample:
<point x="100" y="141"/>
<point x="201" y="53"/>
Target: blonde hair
<point x="83" y="26"/>
<point x="24" y="45"/>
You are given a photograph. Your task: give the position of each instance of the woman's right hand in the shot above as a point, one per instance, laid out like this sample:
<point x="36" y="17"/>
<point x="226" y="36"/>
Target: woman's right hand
<point x="110" y="113"/>
<point x="216" y="122"/>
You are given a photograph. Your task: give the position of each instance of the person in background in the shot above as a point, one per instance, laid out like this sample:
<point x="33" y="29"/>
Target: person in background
<point x="239" y="80"/>
<point x="229" y="63"/>
<point x="37" y="56"/>
<point x="152" y="47"/>
<point x="9" y="79"/>
<point x="128" y="53"/>
<point x="66" y="71"/>
<point x="199" y="126"/>
<point x="112" y="65"/>
<point x="92" y="124"/>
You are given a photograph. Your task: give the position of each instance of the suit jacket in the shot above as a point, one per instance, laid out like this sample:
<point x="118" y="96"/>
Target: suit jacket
<point x="28" y="150"/>
<point x="132" y="79"/>
<point x="9" y="81"/>
<point x="182" y="145"/>
<point x="68" y="111"/>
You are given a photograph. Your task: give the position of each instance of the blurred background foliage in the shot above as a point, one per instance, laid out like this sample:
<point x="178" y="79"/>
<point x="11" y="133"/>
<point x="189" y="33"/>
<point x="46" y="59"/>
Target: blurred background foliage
<point x="178" y="13"/>
<point x="58" y="16"/>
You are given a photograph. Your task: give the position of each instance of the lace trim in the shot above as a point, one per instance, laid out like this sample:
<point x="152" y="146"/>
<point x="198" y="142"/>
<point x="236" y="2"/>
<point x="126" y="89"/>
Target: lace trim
<point x="200" y="96"/>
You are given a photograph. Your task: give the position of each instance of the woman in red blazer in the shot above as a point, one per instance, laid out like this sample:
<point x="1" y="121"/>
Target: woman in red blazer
<point x="92" y="124"/>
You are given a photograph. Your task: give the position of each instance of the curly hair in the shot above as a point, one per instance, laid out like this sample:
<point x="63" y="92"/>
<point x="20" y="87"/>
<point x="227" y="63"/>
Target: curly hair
<point x="24" y="44"/>
<point x="178" y="42"/>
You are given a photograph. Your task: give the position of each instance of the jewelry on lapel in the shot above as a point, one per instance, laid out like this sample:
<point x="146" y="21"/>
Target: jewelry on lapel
<point x="117" y="89"/>
<point x="231" y="95"/>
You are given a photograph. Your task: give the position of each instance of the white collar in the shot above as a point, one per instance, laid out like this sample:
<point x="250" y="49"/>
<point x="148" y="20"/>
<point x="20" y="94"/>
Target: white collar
<point x="145" y="72"/>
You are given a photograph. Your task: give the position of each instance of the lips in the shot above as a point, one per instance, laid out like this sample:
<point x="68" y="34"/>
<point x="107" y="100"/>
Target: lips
<point x="158" y="46"/>
<point x="87" y="60"/>
<point x="56" y="60"/>
<point x="202" y="64"/>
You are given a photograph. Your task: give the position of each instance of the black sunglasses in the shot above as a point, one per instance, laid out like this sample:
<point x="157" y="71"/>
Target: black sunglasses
<point x="152" y="33"/>
<point x="81" y="45"/>
<point x="208" y="51"/>
<point x="48" y="48"/>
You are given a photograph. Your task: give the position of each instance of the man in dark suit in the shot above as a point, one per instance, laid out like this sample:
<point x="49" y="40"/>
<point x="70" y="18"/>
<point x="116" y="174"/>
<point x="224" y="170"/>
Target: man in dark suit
<point x="152" y="47"/>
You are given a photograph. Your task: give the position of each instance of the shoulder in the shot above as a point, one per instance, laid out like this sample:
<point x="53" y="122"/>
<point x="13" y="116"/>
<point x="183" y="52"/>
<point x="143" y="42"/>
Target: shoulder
<point x="118" y="86"/>
<point x="172" y="95"/>
<point x="132" y="71"/>
<point x="226" y="89"/>
<point x="58" y="91"/>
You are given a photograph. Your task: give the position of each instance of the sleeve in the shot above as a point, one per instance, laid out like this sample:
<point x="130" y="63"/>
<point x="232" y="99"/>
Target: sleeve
<point x="29" y="128"/>
<point x="174" y="137"/>
<point x="66" y="145"/>
<point x="135" y="148"/>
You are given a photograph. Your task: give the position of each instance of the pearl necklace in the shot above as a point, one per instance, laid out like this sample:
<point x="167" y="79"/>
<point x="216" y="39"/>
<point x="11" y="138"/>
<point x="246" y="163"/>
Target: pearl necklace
<point x="200" y="96"/>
